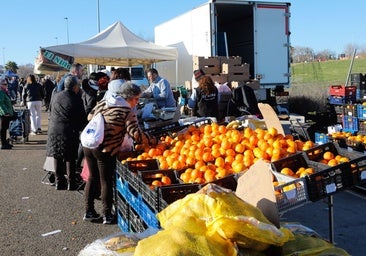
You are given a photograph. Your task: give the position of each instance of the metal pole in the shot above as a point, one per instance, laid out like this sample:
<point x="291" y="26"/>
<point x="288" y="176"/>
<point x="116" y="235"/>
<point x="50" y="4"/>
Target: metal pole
<point x="98" y="16"/>
<point x="4" y="59"/>
<point x="67" y="29"/>
<point x="331" y="219"/>
<point x="350" y="67"/>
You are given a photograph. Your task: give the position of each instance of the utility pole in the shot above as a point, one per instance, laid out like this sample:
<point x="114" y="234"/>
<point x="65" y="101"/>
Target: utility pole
<point x="67" y="29"/>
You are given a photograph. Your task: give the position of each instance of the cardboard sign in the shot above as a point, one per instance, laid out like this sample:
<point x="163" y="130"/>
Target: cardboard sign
<point x="53" y="61"/>
<point x="255" y="187"/>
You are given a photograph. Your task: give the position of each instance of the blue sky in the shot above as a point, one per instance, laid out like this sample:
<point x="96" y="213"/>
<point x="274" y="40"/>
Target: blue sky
<point x="29" y="24"/>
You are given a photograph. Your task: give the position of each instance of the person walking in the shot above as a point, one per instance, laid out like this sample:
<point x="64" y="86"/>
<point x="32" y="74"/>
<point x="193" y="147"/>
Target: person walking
<point x="116" y="110"/>
<point x="159" y="89"/>
<point x="32" y="98"/>
<point x="6" y="114"/>
<point x="67" y="119"/>
<point x="48" y="87"/>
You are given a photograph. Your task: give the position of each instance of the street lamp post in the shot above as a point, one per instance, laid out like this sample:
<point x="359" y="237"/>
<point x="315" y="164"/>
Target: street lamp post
<point x="67" y="29"/>
<point x="4" y="59"/>
<point x="98" y="16"/>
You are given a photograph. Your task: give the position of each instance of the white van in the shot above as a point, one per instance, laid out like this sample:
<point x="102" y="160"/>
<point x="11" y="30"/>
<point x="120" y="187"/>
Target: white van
<point x="138" y="76"/>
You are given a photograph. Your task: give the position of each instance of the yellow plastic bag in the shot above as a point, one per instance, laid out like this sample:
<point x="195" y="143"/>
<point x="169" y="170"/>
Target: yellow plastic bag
<point x="304" y="245"/>
<point x="175" y="241"/>
<point x="248" y="232"/>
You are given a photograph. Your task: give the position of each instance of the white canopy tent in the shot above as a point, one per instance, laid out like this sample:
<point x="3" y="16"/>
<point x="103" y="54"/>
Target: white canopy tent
<point x="116" y="46"/>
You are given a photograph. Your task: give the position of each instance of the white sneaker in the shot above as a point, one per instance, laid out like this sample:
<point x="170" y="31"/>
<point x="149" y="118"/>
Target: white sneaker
<point x="32" y="133"/>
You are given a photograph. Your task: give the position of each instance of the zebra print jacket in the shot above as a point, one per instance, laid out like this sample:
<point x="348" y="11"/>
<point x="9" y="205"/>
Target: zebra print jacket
<point x="119" y="120"/>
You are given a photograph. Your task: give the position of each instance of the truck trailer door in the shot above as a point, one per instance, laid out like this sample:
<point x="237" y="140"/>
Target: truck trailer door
<point x="271" y="48"/>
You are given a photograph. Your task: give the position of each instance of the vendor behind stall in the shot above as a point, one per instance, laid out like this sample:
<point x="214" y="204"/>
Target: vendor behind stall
<point x="159" y="89"/>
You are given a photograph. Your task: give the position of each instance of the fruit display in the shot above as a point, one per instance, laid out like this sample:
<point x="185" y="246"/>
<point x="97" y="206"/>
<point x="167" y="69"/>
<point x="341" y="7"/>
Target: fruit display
<point x="213" y="151"/>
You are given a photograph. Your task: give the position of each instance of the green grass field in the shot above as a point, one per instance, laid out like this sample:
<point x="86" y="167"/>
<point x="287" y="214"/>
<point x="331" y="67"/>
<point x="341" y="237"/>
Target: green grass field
<point x="310" y="82"/>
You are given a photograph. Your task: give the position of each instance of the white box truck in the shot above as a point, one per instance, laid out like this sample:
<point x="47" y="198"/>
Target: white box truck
<point x="256" y="31"/>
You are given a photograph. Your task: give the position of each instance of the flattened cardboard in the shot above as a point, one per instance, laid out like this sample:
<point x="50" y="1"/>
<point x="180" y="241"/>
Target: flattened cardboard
<point x="270" y="117"/>
<point x="255" y="187"/>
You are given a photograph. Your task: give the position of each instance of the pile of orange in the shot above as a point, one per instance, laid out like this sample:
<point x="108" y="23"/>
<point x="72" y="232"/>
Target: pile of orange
<point x="331" y="159"/>
<point x="300" y="172"/>
<point x="213" y="151"/>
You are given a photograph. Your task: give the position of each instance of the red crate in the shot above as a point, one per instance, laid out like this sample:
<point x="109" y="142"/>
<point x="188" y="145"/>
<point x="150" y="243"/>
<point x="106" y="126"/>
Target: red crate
<point x="341" y="90"/>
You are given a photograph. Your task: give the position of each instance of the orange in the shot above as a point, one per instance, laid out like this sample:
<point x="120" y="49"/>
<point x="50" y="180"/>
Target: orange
<point x="190" y="160"/>
<point x="328" y="155"/>
<point x="237" y="166"/>
<point x="163" y="164"/>
<point x="196" y="174"/>
<point x="220" y="162"/>
<point x="333" y="162"/>
<point x="222" y="129"/>
<point x="156" y="183"/>
<point x="209" y="175"/>
<point x="199" y="163"/>
<point x="343" y="159"/>
<point x="185" y="177"/>
<point x="216" y="153"/>
<point x="230" y="152"/>
<point x="273" y="131"/>
<point x="220" y="172"/>
<point x="287" y="171"/>
<point x="207" y="157"/>
<point x="166" y="180"/>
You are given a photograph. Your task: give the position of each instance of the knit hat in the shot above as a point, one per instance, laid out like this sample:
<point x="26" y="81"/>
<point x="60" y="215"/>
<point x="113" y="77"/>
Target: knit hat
<point x="198" y="74"/>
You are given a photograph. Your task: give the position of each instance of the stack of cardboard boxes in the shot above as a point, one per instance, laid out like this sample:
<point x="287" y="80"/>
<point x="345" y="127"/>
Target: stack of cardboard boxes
<point x="223" y="69"/>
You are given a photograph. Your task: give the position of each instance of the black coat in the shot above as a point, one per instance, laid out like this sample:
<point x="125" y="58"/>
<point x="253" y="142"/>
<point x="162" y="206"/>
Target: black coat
<point x="67" y="119"/>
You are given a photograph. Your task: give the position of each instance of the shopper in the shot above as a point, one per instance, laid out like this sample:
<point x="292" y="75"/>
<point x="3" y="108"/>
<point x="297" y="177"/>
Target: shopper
<point x="67" y="119"/>
<point x="6" y="114"/>
<point x="119" y="119"/>
<point x="32" y="98"/>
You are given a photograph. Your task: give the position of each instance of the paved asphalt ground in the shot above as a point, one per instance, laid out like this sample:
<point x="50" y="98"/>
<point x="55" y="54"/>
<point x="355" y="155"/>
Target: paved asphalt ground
<point x="30" y="209"/>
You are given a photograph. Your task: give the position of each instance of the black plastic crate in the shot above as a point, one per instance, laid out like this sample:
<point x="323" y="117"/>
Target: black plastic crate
<point x="140" y="165"/>
<point x="229" y="181"/>
<point x="294" y="162"/>
<point x="316" y="153"/>
<point x="291" y="193"/>
<point x="151" y="194"/>
<point x="358" y="170"/>
<point x="167" y="130"/>
<point x="329" y="181"/>
<point x="170" y="194"/>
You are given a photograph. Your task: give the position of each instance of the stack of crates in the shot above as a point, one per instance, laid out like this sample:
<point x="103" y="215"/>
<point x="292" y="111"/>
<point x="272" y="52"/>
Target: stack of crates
<point x="361" y="112"/>
<point x="359" y="80"/>
<point x="223" y="69"/>
<point x="350" y="118"/>
<point x="137" y="201"/>
<point x="340" y="94"/>
<point x="235" y="70"/>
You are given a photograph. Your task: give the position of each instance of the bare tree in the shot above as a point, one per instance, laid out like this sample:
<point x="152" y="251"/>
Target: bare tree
<point x="349" y="49"/>
<point x="325" y="55"/>
<point x="302" y="54"/>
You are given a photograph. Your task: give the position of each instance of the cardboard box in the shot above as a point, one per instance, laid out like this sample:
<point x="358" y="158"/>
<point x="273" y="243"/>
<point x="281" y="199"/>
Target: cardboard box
<point x="220" y="78"/>
<point x="211" y="70"/>
<point x="200" y="62"/>
<point x="231" y="60"/>
<point x="235" y="69"/>
<point x="239" y="78"/>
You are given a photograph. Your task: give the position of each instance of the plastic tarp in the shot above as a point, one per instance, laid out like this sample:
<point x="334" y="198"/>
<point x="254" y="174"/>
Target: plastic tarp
<point x="116" y="46"/>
